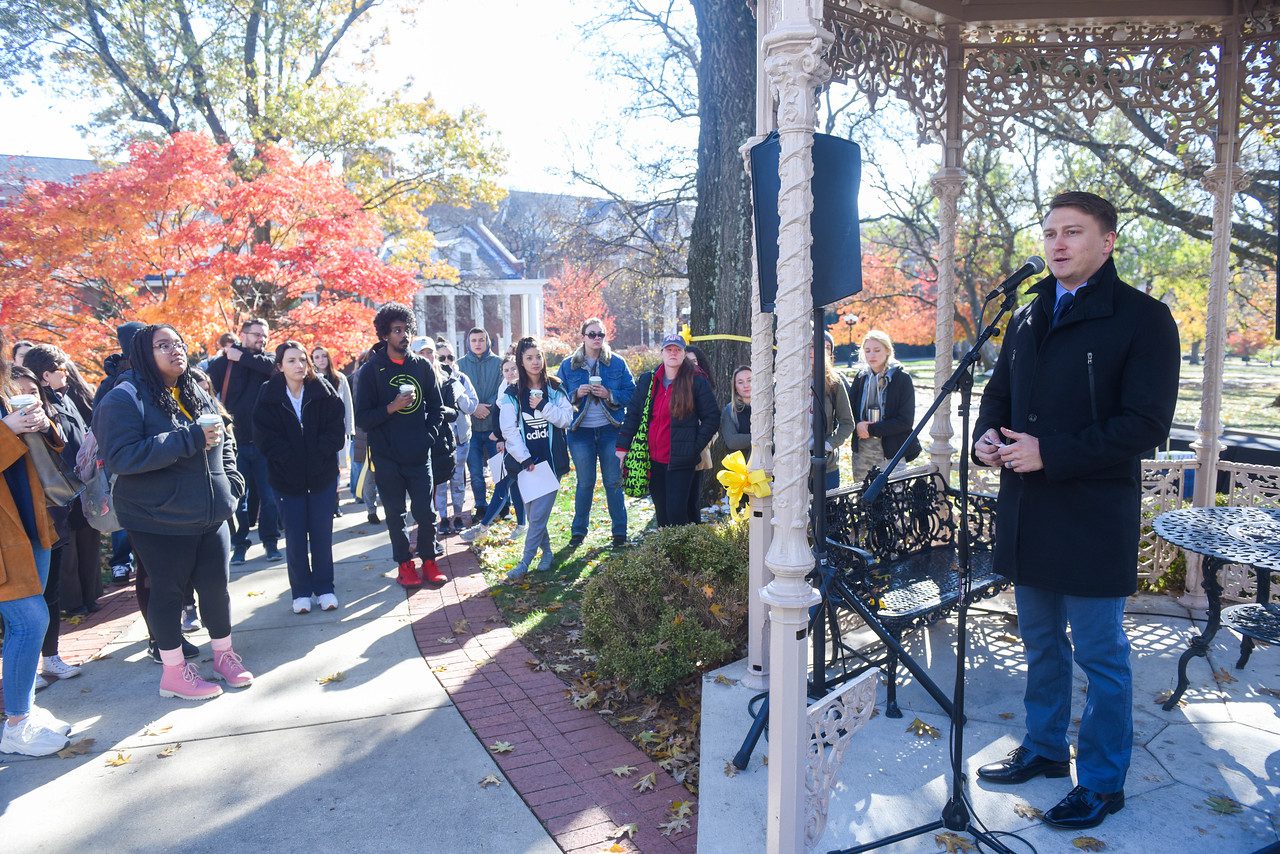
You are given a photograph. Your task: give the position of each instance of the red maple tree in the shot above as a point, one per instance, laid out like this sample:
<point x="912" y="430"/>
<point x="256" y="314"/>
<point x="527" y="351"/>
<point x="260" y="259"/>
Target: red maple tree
<point x="572" y="297"/>
<point x="174" y="235"/>
<point x="891" y="300"/>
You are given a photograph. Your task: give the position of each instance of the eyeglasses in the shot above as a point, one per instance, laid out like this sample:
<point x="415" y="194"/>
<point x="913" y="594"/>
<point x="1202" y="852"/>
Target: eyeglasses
<point x="595" y="334"/>
<point x="445" y="358"/>
<point x="168" y="347"/>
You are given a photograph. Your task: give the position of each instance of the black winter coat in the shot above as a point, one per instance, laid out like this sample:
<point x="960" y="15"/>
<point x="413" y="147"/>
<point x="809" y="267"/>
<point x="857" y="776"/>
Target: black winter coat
<point x="407" y="436"/>
<point x="247" y="378"/>
<point x="689" y="435"/>
<point x="898" y="417"/>
<point x="1098" y="392"/>
<point x="301" y="458"/>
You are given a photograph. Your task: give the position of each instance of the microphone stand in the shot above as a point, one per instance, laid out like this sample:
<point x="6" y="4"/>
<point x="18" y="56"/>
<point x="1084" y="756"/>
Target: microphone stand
<point x="955" y="815"/>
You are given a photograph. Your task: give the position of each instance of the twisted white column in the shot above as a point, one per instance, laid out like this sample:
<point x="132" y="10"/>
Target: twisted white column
<point x="795" y="68"/>
<point x="948" y="183"/>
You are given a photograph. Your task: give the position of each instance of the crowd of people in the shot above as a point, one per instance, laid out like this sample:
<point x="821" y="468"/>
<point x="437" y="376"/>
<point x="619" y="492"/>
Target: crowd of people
<point x="201" y="454"/>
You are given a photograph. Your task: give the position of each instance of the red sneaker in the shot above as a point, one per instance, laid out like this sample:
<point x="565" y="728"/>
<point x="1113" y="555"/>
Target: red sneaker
<point x="432" y="573"/>
<point x="409" y="575"/>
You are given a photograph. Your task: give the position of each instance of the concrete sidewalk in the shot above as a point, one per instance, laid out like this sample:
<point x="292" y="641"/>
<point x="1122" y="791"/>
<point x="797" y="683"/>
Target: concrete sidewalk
<point x="380" y="758"/>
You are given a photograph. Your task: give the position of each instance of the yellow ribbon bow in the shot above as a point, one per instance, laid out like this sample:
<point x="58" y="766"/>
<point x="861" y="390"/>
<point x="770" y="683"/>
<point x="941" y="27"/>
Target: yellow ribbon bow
<point x="738" y="480"/>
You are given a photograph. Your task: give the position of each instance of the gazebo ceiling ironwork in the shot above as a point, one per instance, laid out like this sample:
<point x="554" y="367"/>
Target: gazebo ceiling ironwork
<point x="1015" y="60"/>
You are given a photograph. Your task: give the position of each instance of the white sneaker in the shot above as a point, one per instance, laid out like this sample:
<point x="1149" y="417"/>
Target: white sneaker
<point x="30" y="739"/>
<point x="328" y="602"/>
<point x="41" y="682"/>
<point x="517" y="532"/>
<point x="43" y="717"/>
<point x="53" y="665"/>
<point x="473" y="533"/>
<point x="302" y="605"/>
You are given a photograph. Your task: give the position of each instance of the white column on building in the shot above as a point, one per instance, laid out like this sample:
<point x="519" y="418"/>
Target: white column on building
<point x="537" y="314"/>
<point x="451" y="323"/>
<point x="794" y="49"/>
<point x="670" y="303"/>
<point x="1222" y="180"/>
<point x="477" y="310"/>
<point x="504" y="312"/>
<point x="948" y="183"/>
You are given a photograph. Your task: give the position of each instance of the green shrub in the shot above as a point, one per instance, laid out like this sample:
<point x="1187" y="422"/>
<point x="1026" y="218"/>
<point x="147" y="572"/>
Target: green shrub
<point x="674" y="605"/>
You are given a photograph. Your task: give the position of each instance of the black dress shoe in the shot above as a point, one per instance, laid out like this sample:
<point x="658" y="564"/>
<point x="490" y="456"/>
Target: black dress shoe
<point x="1021" y="766"/>
<point x="620" y="541"/>
<point x="576" y="540"/>
<point x="1083" y="808"/>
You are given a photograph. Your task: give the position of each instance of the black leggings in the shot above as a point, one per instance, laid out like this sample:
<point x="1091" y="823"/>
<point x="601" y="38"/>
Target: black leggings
<point x="671" y="490"/>
<point x="52" y="593"/>
<point x="175" y="562"/>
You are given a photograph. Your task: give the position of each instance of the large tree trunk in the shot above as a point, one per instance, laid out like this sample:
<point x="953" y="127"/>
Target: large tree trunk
<point x="720" y="239"/>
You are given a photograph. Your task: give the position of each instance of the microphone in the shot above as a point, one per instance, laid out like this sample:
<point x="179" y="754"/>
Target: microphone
<point x="1034" y="265"/>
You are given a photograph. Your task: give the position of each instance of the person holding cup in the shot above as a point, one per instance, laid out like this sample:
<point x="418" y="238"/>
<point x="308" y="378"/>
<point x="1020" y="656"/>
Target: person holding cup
<point x="176" y="486"/>
<point x="299" y="422"/>
<point x="884" y="406"/>
<point x="599" y="384"/>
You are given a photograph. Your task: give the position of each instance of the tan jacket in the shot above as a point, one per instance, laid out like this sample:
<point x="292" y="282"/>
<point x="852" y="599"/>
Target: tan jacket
<point x="18" y="577"/>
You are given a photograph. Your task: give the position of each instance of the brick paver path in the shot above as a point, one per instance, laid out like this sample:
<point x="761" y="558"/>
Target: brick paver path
<point x="563" y="756"/>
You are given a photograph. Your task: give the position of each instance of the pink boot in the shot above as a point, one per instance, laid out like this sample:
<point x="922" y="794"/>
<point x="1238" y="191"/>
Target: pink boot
<point x="182" y="680"/>
<point x="229" y="667"/>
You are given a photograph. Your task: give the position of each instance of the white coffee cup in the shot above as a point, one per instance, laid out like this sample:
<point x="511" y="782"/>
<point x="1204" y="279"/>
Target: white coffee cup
<point x="209" y="419"/>
<point x="535" y="392"/>
<point x="406" y="388"/>
<point x="594" y="380"/>
<point x="22" y="401"/>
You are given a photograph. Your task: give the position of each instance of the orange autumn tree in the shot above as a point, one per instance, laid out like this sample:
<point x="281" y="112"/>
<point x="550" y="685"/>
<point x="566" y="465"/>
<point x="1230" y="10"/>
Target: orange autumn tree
<point x="573" y="296"/>
<point x="892" y="299"/>
<point x="174" y="235"/>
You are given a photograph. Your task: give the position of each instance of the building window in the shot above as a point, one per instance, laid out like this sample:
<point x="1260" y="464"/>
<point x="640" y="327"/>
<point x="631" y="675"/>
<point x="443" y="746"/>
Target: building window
<point x="464" y="261"/>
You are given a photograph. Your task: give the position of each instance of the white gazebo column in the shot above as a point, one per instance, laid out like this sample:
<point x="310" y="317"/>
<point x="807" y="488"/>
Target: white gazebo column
<point x="1221" y="180"/>
<point x="451" y="324"/>
<point x="794" y="49"/>
<point x="504" y="312"/>
<point x="948" y="183"/>
<point x="477" y="310"/>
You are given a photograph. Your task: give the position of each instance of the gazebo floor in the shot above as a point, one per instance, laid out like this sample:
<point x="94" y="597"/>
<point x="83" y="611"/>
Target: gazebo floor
<point x="1224" y="741"/>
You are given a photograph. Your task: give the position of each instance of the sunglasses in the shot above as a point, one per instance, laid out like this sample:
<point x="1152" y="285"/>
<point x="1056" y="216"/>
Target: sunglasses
<point x="595" y="334"/>
<point x="445" y="358"/>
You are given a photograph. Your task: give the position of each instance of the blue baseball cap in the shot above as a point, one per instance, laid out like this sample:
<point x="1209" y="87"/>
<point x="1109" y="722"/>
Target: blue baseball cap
<point x="673" y="338"/>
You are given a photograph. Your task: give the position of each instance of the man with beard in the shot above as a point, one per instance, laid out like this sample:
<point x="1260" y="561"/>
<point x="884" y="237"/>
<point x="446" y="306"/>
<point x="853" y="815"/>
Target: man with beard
<point x="236" y="377"/>
<point x="398" y="404"/>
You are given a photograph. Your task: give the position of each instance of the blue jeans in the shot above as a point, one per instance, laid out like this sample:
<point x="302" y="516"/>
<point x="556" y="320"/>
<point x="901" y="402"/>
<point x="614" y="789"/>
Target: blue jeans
<point x="505" y="490"/>
<point x="833" y="479"/>
<point x="308" y="526"/>
<point x="121" y="551"/>
<point x="25" y="622"/>
<point x="586" y="446"/>
<point x="480" y="449"/>
<point x="253" y="465"/>
<point x="1101" y="648"/>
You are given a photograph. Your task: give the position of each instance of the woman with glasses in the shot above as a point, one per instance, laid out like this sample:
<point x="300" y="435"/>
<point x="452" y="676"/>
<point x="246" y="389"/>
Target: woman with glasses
<point x="176" y="487"/>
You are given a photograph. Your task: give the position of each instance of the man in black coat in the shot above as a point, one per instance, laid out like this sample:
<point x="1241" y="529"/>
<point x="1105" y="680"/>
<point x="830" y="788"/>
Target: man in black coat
<point x="237" y="378"/>
<point x="1084" y="386"/>
<point x="397" y="400"/>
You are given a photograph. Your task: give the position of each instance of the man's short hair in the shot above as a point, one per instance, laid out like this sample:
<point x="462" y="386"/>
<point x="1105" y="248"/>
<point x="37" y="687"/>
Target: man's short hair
<point x="389" y="314"/>
<point x="1095" y="206"/>
<point x="591" y="321"/>
<point x="254" y="321"/>
<point x="473" y="330"/>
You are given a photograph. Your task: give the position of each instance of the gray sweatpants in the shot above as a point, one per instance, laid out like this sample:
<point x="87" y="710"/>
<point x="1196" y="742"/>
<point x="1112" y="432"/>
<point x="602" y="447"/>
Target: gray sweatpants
<point x="537" y="513"/>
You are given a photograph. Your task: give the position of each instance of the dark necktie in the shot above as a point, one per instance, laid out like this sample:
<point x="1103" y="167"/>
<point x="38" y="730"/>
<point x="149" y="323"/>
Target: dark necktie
<point x="1063" y="306"/>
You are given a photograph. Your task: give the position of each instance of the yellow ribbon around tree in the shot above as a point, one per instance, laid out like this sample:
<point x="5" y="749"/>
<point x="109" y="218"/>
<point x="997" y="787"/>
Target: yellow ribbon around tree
<point x="687" y="334"/>
<point x="739" y="481"/>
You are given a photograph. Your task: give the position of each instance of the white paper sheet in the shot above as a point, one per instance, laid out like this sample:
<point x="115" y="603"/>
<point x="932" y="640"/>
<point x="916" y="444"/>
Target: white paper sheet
<point x="497" y="470"/>
<point x="537" y="483"/>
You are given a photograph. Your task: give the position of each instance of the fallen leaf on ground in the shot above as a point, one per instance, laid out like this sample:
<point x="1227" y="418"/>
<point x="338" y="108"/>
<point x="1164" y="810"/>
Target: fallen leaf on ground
<point x="719" y="613"/>
<point x="921" y="729"/>
<point x="1163" y="697"/>
<point x="1223" y="676"/>
<point x="1028" y="811"/>
<point x="502" y="747"/>
<point x="953" y="843"/>
<point x="332" y="677"/>
<point x="674" y="826"/>
<point x="102" y="656"/>
<point x="648" y="737"/>
<point x="76" y="748"/>
<point x="1006" y="716"/>
<point x="585" y="701"/>
<point x="626" y="831"/>
<point x="1008" y="638"/>
<point x="169" y="751"/>
<point x="1223" y="804"/>
<point x="254" y="593"/>
<point x="447" y="639"/>
<point x="461" y="626"/>
<point x="440" y="668"/>
<point x="534" y="664"/>
<point x="86" y="690"/>
<point x="615" y="848"/>
<point x="647" y="782"/>
<point x="1271" y="692"/>
<point x="157" y="729"/>
<point x="491" y="780"/>
<point x="562" y="668"/>
<point x="1088" y="843"/>
<point x="708" y="591"/>
<point x="624" y="770"/>
<point x="119" y="759"/>
<point x="681" y="809"/>
<point x="553" y="607"/>
<point x="730" y="770"/>
<point x="724" y="680"/>
<point x="75" y="621"/>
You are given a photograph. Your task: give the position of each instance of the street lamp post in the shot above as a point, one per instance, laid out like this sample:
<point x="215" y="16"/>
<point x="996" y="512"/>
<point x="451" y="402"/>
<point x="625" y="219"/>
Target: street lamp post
<point x="849" y="321"/>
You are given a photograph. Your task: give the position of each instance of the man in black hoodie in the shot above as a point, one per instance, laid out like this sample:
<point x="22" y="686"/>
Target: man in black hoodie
<point x="237" y="376"/>
<point x="398" y="405"/>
